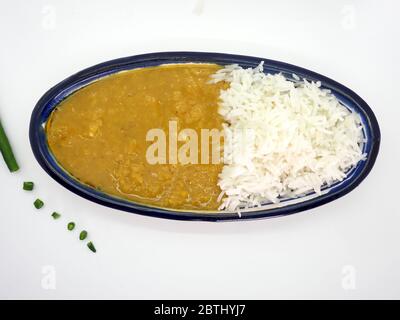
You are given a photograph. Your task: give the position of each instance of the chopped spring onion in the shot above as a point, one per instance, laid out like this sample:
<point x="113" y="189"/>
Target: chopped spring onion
<point x="71" y="226"/>
<point x="28" y="185"/>
<point x="83" y="235"/>
<point x="56" y="215"/>
<point x="38" y="203"/>
<point x="7" y="152"/>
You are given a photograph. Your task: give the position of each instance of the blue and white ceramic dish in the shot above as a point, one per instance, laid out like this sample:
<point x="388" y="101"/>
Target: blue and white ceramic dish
<point x="59" y="92"/>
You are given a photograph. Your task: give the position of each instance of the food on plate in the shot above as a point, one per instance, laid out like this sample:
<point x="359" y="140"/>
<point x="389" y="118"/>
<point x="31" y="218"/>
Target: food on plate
<point x="302" y="138"/>
<point x="224" y="138"/>
<point x="98" y="134"/>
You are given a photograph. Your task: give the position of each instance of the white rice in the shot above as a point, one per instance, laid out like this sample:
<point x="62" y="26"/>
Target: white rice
<point x="298" y="137"/>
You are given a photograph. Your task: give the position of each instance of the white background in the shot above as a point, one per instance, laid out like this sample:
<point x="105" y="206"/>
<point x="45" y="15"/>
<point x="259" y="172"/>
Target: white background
<point x="346" y="249"/>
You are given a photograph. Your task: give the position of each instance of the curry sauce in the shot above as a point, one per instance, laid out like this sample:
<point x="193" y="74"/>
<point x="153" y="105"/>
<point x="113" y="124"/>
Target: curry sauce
<point x="98" y="134"/>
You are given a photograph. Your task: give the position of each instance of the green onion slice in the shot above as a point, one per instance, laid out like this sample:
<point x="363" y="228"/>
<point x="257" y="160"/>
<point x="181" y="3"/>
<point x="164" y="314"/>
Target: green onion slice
<point x="71" y="226"/>
<point x="91" y="246"/>
<point x="38" y="203"/>
<point x="28" y="185"/>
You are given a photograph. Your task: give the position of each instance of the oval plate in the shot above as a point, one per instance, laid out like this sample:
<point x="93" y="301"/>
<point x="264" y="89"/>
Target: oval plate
<point x="59" y="92"/>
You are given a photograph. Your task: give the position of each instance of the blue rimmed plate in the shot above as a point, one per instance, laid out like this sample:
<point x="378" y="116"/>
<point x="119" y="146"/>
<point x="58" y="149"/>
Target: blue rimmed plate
<point x="55" y="95"/>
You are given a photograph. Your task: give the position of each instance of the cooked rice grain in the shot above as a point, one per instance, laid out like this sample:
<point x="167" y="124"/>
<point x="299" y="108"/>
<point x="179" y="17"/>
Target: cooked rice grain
<point x="301" y="137"/>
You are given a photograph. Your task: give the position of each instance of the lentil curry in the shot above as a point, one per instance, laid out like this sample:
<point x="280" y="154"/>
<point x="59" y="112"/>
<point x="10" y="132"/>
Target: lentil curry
<point x="98" y="134"/>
